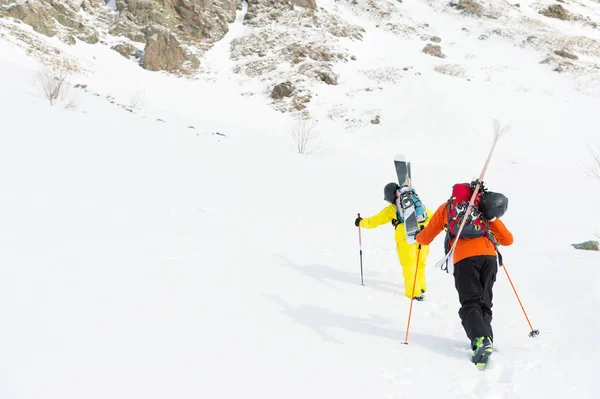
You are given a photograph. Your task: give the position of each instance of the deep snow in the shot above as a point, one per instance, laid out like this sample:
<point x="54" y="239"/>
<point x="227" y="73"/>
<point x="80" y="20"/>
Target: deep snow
<point x="148" y="259"/>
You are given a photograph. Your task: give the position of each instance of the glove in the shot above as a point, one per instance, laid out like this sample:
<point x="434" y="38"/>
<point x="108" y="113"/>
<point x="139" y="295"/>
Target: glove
<point x="357" y="222"/>
<point x="421" y="227"/>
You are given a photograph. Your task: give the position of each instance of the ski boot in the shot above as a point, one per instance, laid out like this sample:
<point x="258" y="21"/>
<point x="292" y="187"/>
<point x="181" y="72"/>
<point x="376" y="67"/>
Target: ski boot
<point x="482" y="350"/>
<point x="420" y="297"/>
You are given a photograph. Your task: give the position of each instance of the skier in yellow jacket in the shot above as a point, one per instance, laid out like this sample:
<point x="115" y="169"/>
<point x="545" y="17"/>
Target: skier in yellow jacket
<point x="407" y="253"/>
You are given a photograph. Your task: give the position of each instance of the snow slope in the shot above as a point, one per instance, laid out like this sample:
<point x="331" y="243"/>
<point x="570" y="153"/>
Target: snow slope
<point x="146" y="259"/>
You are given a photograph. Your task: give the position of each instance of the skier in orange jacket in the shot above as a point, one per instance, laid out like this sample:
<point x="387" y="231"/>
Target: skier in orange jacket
<point x="475" y="259"/>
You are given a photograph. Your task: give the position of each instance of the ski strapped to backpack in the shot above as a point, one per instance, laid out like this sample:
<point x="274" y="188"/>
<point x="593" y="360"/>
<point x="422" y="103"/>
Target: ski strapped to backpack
<point x="409" y="209"/>
<point x="474" y="223"/>
<point x="497" y="134"/>
<point x="420" y="210"/>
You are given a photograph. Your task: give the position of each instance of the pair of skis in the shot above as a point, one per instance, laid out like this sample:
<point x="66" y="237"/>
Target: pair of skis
<point x="497" y="134"/>
<point x="404" y="199"/>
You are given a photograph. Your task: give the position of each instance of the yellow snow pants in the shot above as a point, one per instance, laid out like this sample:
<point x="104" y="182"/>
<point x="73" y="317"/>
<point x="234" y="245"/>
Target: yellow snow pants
<point x="407" y="253"/>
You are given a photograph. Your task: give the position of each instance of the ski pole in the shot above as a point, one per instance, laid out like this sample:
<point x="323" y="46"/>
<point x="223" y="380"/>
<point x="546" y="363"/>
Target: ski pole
<point x="533" y="332"/>
<point x="413" y="295"/>
<point x="360" y="248"/>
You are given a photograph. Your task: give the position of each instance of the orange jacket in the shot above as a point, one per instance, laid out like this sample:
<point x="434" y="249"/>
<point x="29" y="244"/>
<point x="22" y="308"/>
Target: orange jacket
<point x="466" y="247"/>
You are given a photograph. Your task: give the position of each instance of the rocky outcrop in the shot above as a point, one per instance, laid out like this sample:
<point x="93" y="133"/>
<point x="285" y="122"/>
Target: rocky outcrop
<point x="48" y="17"/>
<point x="434" y="50"/>
<point x="163" y="52"/>
<point x="312" y="4"/>
<point x="189" y="22"/>
<point x="125" y="49"/>
<point x="566" y="54"/>
<point x="166" y="26"/>
<point x="281" y="90"/>
<point x="292" y="41"/>
<point x="469" y="7"/>
<point x="587" y="246"/>
<point x="556" y="11"/>
<point x="192" y="19"/>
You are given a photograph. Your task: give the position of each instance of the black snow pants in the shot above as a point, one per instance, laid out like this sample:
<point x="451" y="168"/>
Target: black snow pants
<point x="474" y="279"/>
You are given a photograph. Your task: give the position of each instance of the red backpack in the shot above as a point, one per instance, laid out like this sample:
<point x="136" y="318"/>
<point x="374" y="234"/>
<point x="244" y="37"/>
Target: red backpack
<point x="476" y="225"/>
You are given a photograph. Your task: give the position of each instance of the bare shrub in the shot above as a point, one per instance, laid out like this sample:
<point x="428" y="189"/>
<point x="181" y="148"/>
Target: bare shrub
<point x="53" y="79"/>
<point x="594" y="170"/>
<point x="53" y="83"/>
<point x="304" y="134"/>
<point x="134" y="101"/>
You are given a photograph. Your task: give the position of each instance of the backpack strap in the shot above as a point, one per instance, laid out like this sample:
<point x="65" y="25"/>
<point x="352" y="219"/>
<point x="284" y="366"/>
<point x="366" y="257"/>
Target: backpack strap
<point x="399" y="217"/>
<point x="447" y="238"/>
<point x="492" y="238"/>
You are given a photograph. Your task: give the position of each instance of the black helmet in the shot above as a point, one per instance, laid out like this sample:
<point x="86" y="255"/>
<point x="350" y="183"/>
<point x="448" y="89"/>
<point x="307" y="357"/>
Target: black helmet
<point x="389" y="192"/>
<point x="493" y="205"/>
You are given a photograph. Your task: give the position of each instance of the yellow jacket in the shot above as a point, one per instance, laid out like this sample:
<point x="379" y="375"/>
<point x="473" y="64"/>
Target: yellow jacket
<point x="407" y="253"/>
<point x="385" y="216"/>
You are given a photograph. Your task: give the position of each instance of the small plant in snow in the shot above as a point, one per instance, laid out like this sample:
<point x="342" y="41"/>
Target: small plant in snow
<point x="304" y="134"/>
<point x="52" y="79"/>
<point x="135" y="100"/>
<point x="594" y="170"/>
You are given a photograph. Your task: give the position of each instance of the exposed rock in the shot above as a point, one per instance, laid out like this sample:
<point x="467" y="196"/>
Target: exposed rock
<point x="298" y="52"/>
<point x="124" y="30"/>
<point x="470" y="7"/>
<point x="376" y="120"/>
<point x="298" y="103"/>
<point x="44" y="16"/>
<point x="70" y="39"/>
<point x="281" y="90"/>
<point x="264" y="13"/>
<point x="328" y="77"/>
<point x="556" y="11"/>
<point x="36" y="17"/>
<point x="90" y="38"/>
<point x="163" y="52"/>
<point x="565" y="54"/>
<point x="312" y="4"/>
<point x="588" y="246"/>
<point x="125" y="49"/>
<point x="435" y="39"/>
<point x="434" y="50"/>
<point x="288" y="43"/>
<point x="190" y="22"/>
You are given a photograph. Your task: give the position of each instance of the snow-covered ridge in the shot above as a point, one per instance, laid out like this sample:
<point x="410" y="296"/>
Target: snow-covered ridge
<point x="296" y="53"/>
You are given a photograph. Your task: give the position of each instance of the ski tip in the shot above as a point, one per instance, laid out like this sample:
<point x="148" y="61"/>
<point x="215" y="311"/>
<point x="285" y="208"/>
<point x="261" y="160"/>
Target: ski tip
<point x="504" y="130"/>
<point x="400" y="157"/>
<point x="496" y="124"/>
